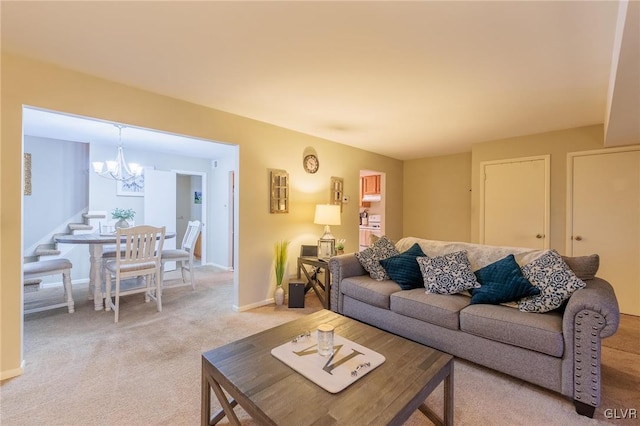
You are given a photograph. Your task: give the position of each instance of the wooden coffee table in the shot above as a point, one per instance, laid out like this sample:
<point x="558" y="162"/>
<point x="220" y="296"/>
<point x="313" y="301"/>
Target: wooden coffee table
<point x="274" y="394"/>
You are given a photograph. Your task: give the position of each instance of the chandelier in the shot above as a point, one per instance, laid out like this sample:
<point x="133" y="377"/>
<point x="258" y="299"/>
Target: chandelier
<point x="119" y="169"/>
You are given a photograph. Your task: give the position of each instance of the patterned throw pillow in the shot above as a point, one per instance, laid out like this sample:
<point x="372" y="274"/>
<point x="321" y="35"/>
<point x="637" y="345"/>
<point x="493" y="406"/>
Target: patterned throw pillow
<point x="370" y="258"/>
<point x="448" y="274"/>
<point x="501" y="282"/>
<point x="403" y="268"/>
<point x="555" y="280"/>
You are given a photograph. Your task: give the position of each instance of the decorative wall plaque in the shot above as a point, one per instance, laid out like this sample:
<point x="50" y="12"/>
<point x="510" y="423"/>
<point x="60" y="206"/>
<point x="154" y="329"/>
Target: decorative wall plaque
<point x="336" y="191"/>
<point x="278" y="191"/>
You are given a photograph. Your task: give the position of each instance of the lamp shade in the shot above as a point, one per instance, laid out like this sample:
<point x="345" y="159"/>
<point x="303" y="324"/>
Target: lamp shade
<point x="327" y="214"/>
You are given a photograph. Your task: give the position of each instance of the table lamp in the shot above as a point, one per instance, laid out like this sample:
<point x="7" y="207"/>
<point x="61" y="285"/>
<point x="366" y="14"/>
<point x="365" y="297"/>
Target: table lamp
<point x="327" y="214"/>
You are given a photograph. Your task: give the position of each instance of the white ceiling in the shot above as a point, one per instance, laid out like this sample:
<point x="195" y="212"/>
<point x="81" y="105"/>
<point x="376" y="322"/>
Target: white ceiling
<point x="404" y="79"/>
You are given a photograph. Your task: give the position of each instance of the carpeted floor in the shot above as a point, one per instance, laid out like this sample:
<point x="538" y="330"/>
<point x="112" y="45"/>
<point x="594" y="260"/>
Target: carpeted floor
<point x="82" y="369"/>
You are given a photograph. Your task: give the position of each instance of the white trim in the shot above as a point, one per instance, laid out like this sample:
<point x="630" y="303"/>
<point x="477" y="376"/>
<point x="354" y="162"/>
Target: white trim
<point x="243" y="308"/>
<point x="570" y="158"/>
<point x="547" y="192"/>
<point x="8" y="374"/>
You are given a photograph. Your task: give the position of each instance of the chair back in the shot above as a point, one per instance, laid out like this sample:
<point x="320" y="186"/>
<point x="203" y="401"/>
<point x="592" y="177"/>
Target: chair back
<point x="139" y="246"/>
<point x="191" y="235"/>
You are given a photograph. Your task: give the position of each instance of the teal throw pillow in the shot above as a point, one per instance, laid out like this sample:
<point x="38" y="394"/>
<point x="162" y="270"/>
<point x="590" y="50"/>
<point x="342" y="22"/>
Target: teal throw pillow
<point x="502" y="282"/>
<point x="404" y="269"/>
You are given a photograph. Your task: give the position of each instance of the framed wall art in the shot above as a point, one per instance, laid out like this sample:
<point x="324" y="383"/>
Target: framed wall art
<point x="131" y="188"/>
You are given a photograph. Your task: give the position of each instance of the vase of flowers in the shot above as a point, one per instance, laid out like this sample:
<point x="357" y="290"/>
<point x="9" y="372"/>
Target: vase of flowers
<point x="340" y="246"/>
<point x="280" y="252"/>
<point x="123" y="216"/>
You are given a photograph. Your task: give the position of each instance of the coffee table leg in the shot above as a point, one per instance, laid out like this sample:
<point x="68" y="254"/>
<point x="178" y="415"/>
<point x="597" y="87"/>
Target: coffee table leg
<point x="205" y="401"/>
<point x="227" y="407"/>
<point x="448" y="397"/>
<point x="448" y="402"/>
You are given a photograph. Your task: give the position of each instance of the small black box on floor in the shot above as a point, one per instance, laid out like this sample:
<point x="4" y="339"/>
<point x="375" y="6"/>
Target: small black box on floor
<point x="296" y="294"/>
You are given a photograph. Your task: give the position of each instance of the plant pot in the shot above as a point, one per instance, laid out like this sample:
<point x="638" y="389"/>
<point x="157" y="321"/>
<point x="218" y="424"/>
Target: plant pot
<point x="339" y="252"/>
<point x="279" y="295"/>
<point x="122" y="223"/>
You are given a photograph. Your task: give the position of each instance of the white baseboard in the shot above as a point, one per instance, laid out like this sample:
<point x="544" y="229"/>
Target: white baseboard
<point x="13" y="372"/>
<point x="243" y="308"/>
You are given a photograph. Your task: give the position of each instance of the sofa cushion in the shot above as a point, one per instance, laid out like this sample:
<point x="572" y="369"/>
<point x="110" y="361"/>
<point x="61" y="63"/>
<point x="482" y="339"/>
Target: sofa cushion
<point x="364" y="289"/>
<point x="403" y="268"/>
<point x="447" y="274"/>
<point x="585" y="267"/>
<point x="501" y="282"/>
<point x="370" y="258"/>
<point x="541" y="333"/>
<point x="555" y="280"/>
<point x="437" y="309"/>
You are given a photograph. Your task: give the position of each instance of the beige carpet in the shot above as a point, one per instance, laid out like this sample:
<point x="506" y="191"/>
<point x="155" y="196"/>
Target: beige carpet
<point x="82" y="369"/>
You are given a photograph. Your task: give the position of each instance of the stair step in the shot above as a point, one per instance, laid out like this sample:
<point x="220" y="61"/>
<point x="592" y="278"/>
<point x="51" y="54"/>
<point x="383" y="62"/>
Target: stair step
<point x="29" y="259"/>
<point x="94" y="216"/>
<point x="47" y="250"/>
<point x="79" y="226"/>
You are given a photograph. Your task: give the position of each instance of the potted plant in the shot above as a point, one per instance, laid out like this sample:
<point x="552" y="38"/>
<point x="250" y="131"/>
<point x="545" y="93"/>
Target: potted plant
<point x="123" y="216"/>
<point x="340" y="246"/>
<point x="280" y="252"/>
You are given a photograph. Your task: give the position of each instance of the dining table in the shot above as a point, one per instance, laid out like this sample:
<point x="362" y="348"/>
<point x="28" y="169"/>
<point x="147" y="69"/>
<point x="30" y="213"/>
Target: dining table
<point x="96" y="242"/>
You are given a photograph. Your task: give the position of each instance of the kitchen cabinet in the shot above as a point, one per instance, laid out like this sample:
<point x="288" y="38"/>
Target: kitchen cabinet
<point x="371" y="184"/>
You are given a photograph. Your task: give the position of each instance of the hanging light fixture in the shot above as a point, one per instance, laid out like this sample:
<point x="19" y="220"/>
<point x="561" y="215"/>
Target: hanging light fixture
<point x="118" y="169"/>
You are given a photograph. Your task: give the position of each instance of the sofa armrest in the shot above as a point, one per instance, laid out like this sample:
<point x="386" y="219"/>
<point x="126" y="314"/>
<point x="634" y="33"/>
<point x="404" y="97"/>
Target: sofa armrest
<point x="341" y="267"/>
<point x="598" y="297"/>
<point x="591" y="314"/>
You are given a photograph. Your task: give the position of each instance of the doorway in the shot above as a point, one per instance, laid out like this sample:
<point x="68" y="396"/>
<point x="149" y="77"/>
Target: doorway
<point x="190" y="187"/>
<point x="371" y="207"/>
<point x="152" y="148"/>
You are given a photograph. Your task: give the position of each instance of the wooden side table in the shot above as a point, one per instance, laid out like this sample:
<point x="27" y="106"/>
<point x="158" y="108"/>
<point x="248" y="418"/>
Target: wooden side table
<point x="322" y="289"/>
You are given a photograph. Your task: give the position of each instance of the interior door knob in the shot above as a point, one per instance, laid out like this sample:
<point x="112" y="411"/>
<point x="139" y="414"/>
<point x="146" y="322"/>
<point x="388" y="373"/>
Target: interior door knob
<point x="578" y="238"/>
<point x="538" y="236"/>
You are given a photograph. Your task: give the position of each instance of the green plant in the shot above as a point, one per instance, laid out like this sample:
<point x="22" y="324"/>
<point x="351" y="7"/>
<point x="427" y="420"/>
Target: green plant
<point x="280" y="251"/>
<point x="340" y="244"/>
<point x="125" y="214"/>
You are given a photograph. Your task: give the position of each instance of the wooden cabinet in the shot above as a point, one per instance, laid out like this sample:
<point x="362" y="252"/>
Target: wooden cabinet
<point x="371" y="184"/>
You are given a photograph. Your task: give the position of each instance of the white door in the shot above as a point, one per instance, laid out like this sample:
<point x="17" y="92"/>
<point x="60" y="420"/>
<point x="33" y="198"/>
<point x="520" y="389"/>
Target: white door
<point x="160" y="204"/>
<point x="514" y="202"/>
<point x="604" y="218"/>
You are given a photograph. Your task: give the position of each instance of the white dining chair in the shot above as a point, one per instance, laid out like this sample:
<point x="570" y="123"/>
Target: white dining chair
<point x="185" y="254"/>
<point x="138" y="253"/>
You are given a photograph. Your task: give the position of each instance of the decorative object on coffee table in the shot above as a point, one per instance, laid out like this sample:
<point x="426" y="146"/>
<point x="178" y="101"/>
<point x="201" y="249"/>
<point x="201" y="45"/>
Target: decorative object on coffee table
<point x="340" y="246"/>
<point x="335" y="371"/>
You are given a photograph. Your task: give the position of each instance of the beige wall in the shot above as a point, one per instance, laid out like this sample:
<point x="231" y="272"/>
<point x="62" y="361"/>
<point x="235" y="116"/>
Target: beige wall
<point x="261" y="146"/>
<point x="437" y="198"/>
<point x="557" y="144"/>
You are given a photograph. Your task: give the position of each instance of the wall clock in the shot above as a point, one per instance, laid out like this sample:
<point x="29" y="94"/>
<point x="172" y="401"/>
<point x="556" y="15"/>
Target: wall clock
<point x="311" y="163"/>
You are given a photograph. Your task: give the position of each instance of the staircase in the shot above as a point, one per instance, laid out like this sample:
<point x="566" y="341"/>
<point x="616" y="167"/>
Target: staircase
<point x="51" y="248"/>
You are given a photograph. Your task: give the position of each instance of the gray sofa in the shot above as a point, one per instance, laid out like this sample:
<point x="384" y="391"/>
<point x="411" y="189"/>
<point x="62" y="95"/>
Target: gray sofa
<point x="558" y="350"/>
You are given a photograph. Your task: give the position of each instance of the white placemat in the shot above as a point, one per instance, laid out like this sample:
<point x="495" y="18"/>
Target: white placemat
<point x="331" y="373"/>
